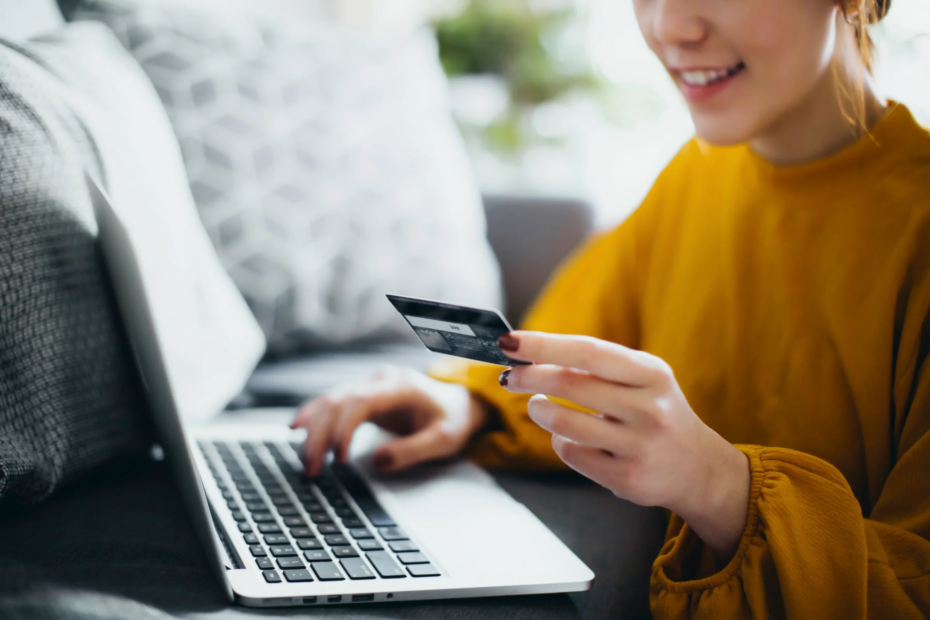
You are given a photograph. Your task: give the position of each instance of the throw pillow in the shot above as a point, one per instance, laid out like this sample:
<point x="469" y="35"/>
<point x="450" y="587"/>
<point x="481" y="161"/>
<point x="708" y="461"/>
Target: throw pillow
<point x="324" y="163"/>
<point x="70" y="398"/>
<point x="210" y="341"/>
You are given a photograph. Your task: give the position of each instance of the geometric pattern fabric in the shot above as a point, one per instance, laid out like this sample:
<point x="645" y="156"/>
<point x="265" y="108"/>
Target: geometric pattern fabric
<point x="325" y="166"/>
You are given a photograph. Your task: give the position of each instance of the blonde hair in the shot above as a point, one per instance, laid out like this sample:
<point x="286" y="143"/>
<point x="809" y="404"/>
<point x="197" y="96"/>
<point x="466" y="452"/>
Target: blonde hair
<point x="860" y="14"/>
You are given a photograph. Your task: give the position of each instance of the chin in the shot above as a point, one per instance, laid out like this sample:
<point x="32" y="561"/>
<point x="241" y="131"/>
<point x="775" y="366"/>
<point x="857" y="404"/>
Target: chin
<point x="722" y="129"/>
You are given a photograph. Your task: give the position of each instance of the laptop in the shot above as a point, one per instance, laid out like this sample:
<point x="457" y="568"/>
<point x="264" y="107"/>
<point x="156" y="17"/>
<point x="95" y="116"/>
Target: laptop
<point x="276" y="538"/>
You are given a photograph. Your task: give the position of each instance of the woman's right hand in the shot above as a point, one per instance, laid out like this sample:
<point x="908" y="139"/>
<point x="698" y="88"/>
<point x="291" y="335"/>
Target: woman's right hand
<point x="435" y="419"/>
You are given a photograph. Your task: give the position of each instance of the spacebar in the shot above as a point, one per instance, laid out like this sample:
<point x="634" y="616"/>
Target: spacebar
<point x="362" y="495"/>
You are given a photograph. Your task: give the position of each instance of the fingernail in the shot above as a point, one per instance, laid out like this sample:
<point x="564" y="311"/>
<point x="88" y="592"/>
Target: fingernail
<point x="504" y="378"/>
<point x="508" y="343"/>
<point x="382" y="460"/>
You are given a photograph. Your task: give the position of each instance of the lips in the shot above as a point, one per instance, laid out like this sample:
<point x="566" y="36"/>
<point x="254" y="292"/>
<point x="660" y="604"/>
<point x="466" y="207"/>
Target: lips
<point x="707" y="77"/>
<point x="705" y="84"/>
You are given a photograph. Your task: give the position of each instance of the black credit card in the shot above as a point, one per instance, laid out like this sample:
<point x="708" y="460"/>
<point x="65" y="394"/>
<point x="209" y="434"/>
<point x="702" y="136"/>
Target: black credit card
<point x="461" y="331"/>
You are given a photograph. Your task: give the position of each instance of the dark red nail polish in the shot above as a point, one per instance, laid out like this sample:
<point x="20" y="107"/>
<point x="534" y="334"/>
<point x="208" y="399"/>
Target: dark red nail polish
<point x="508" y="343"/>
<point x="504" y="377"/>
<point x="382" y="460"/>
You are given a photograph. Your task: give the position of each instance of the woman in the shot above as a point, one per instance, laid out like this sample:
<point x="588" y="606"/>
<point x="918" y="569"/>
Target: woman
<point x="780" y="266"/>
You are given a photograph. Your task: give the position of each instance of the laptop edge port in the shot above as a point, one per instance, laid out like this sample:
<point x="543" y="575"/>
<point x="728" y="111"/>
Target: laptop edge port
<point x="362" y="598"/>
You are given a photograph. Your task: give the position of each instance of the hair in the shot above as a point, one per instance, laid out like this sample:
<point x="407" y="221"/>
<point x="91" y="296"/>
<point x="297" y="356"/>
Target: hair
<point x="860" y="14"/>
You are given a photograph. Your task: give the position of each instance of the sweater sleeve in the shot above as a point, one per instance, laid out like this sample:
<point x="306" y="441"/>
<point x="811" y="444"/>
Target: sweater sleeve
<point x="807" y="551"/>
<point x="591" y="294"/>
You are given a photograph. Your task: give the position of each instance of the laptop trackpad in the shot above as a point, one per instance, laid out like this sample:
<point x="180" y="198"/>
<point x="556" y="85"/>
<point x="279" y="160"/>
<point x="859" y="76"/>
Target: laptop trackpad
<point x="464" y="520"/>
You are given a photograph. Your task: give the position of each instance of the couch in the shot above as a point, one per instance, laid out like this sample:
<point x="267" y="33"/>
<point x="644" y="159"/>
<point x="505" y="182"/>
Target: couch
<point x="118" y="543"/>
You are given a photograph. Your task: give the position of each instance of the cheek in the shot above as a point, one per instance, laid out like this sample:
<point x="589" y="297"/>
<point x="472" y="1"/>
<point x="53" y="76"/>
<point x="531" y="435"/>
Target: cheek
<point x="787" y="49"/>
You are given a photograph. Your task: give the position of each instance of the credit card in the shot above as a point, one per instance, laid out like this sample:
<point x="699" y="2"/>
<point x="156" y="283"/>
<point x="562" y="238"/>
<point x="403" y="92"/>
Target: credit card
<point x="461" y="331"/>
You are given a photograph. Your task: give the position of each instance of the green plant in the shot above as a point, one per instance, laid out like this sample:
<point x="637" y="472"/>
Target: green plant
<point x="507" y="38"/>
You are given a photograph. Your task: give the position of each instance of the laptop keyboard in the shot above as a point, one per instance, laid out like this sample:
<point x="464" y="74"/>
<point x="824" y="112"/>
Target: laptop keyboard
<point x="301" y="529"/>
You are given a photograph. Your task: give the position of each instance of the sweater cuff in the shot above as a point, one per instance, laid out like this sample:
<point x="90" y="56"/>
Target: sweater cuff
<point x="683" y="545"/>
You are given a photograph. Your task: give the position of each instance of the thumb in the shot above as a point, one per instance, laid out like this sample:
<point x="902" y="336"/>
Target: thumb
<point x="432" y="442"/>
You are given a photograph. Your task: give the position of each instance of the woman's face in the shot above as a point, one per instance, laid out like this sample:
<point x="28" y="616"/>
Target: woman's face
<point x="742" y="65"/>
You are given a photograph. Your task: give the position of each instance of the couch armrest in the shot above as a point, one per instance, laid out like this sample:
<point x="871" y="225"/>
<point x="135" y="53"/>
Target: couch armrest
<point x="530" y="236"/>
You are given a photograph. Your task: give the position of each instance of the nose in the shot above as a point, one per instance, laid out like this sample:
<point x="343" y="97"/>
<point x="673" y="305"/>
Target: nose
<point x="678" y="22"/>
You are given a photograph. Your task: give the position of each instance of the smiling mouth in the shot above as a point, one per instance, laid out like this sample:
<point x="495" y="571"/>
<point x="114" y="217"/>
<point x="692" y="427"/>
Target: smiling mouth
<point x="706" y="77"/>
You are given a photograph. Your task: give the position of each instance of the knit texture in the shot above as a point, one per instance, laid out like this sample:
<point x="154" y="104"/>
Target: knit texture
<point x="70" y="398"/>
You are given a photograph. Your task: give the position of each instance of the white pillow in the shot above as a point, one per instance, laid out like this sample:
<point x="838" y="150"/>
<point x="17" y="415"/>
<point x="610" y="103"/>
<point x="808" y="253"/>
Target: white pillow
<point x="325" y="165"/>
<point x="211" y="341"/>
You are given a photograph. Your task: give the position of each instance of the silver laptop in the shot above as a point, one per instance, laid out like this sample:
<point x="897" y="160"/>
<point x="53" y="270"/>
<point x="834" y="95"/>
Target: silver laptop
<point x="276" y="538"/>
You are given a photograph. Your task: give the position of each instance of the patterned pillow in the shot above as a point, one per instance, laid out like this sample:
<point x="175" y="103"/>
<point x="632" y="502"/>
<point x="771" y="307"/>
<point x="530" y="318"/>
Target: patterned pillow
<point x="70" y="398"/>
<point x="324" y="163"/>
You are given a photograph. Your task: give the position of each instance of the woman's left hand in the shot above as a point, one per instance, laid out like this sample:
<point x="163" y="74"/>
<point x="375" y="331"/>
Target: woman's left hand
<point x="645" y="443"/>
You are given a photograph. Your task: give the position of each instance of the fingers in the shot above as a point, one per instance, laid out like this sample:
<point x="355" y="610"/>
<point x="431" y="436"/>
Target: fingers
<point x="620" y="402"/>
<point x="586" y="460"/>
<point x="318" y="417"/>
<point x="432" y="442"/>
<point x="607" y="360"/>
<point x="582" y="428"/>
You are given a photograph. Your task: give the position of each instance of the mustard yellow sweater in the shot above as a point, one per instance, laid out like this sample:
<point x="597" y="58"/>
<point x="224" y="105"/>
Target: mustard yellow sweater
<point x="792" y="304"/>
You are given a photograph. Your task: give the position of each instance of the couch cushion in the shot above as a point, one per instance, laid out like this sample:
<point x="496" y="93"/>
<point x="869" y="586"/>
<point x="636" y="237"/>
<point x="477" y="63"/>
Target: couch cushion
<point x="69" y="396"/>
<point x="325" y="165"/>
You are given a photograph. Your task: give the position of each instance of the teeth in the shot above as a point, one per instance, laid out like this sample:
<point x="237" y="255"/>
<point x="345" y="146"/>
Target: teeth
<point x="705" y="77"/>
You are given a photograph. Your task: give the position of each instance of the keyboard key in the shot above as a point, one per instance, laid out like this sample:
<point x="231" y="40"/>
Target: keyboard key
<point x="327" y="571"/>
<point x="282" y="551"/>
<point x="245" y="528"/>
<point x="328" y="528"/>
<point x="251" y="497"/>
<point x="320" y="517"/>
<point x="251" y="539"/>
<point x="288" y="511"/>
<point x="345" y="552"/>
<point x="338" y="502"/>
<point x="385" y="565"/>
<point x="351" y="522"/>
<point x="256" y="506"/>
<point x="312" y="505"/>
<point x="295" y="522"/>
<point x="412" y="558"/>
<point x="301" y="574"/>
<point x="336" y="540"/>
<point x="317" y="555"/>
<point x="238" y="516"/>
<point x="309" y="543"/>
<point x="290" y="563"/>
<point x="346" y="512"/>
<point x="263" y="517"/>
<point x="269" y="528"/>
<point x="233" y="505"/>
<point x="276" y="539"/>
<point x="356" y="568"/>
<point x="392" y="533"/>
<point x="403" y="545"/>
<point x="281" y="501"/>
<point x="302" y="532"/>
<point x="271" y="576"/>
<point x="423" y="570"/>
<point x="257" y="551"/>
<point x="369" y="545"/>
<point x="264" y="563"/>
<point x="359" y="533"/>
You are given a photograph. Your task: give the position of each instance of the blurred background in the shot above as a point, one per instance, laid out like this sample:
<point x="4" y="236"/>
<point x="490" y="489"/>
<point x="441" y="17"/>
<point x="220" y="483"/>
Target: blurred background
<point x="562" y="97"/>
